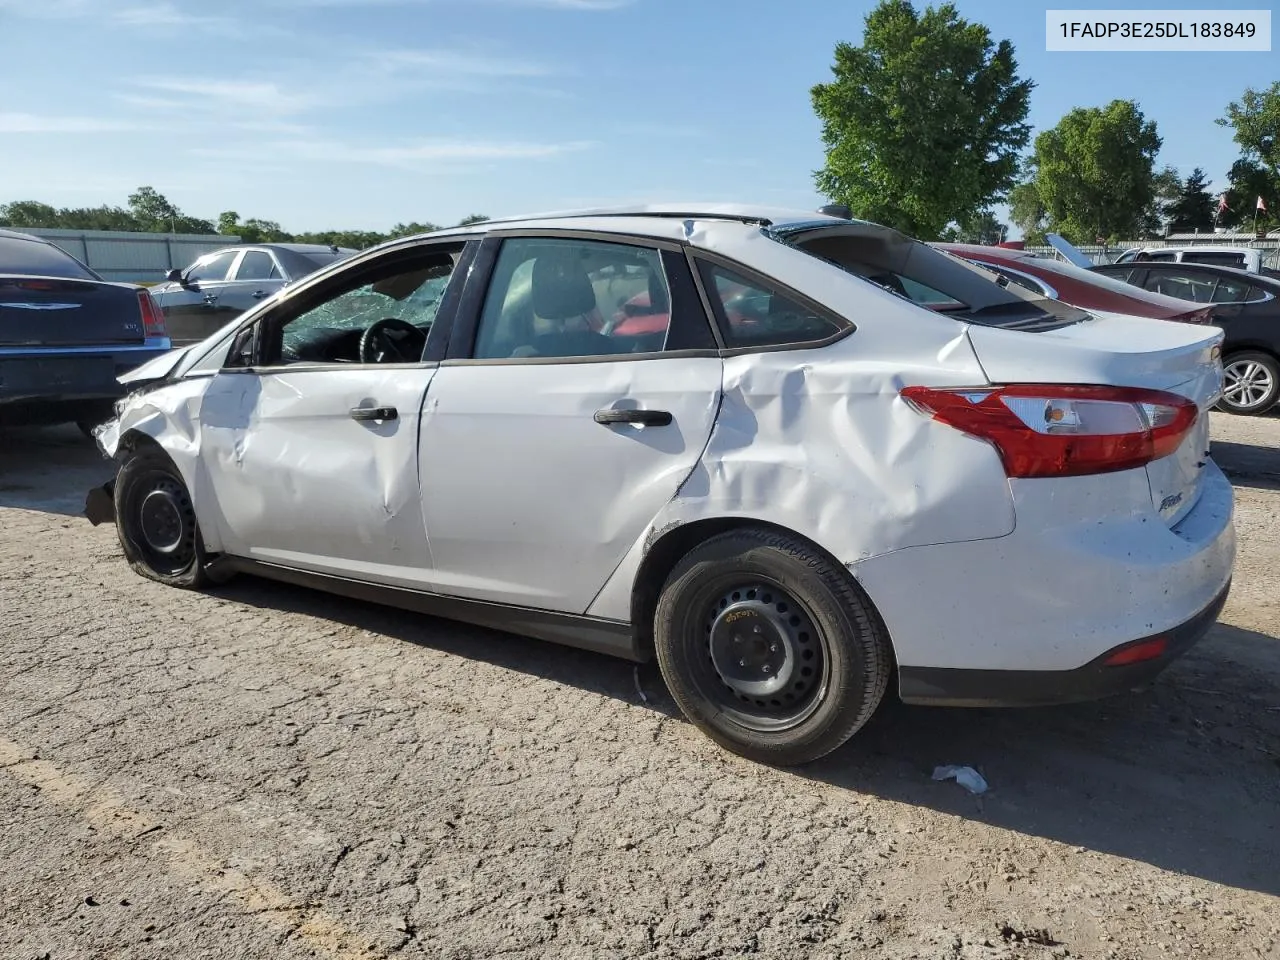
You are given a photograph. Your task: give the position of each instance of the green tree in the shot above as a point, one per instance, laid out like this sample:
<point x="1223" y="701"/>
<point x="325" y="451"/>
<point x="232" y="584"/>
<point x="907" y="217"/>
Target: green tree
<point x="1166" y="188"/>
<point x="1194" y="206"/>
<point x="473" y="219"/>
<point x="152" y="209"/>
<point x="983" y="228"/>
<point x="229" y="223"/>
<point x="1247" y="181"/>
<point x="923" y="123"/>
<point x="1255" y="121"/>
<point x="28" y="213"/>
<point x="1027" y="212"/>
<point x="1094" y="172"/>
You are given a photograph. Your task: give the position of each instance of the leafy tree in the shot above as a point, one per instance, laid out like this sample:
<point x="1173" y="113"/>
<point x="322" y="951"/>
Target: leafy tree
<point x="1247" y="181"/>
<point x="152" y="209"/>
<point x="1094" y="172"/>
<point x="28" y="213"/>
<point x="922" y="124"/>
<point x="981" y="228"/>
<point x="473" y="219"/>
<point x="1027" y="211"/>
<point x="1166" y="188"/>
<point x="1194" y="206"/>
<point x="229" y="223"/>
<point x="1255" y="118"/>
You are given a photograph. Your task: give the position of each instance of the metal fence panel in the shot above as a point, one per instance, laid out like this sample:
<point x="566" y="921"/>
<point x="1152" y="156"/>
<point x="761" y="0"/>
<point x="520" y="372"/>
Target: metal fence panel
<point x="132" y="257"/>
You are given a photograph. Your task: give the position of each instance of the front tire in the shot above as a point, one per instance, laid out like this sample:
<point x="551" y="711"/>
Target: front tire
<point x="769" y="648"/>
<point x="156" y="521"/>
<point x="1251" y="383"/>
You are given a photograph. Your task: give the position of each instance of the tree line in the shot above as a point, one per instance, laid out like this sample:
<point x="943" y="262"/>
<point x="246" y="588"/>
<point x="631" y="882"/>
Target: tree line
<point x="149" y="211"/>
<point x="924" y="128"/>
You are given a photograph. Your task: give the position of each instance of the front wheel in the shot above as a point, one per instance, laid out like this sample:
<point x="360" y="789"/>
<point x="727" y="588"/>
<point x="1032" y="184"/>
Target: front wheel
<point x="156" y="521"/>
<point x="1251" y="383"/>
<point x="770" y="649"/>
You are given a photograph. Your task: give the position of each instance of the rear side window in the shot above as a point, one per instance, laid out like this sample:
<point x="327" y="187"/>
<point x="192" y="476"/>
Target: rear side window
<point x="1216" y="259"/>
<point x="40" y="259"/>
<point x="257" y="265"/>
<point x="752" y="315"/>
<point x="213" y="268"/>
<point x="1231" y="291"/>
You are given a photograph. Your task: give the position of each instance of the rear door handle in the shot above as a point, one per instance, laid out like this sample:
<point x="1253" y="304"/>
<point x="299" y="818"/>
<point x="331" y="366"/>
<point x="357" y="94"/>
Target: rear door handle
<point x="374" y="413"/>
<point x="647" y="418"/>
<point x="260" y="294"/>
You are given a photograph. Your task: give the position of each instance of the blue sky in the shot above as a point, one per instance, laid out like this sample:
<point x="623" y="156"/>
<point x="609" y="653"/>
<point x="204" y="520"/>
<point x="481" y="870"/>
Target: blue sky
<point x="362" y="113"/>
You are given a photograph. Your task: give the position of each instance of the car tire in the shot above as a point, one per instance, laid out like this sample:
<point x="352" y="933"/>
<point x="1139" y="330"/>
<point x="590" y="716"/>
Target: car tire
<point x="156" y="521"/>
<point x="769" y="647"/>
<point x="1251" y="383"/>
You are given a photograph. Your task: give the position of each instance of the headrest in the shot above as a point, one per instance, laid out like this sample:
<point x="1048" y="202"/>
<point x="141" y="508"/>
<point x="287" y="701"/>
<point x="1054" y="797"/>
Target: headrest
<point x="560" y="287"/>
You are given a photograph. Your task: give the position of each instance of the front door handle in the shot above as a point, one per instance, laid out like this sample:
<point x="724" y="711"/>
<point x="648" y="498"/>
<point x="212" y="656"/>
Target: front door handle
<point x="260" y="294"/>
<point x="374" y="413"/>
<point x="211" y="298"/>
<point x="646" y="418"/>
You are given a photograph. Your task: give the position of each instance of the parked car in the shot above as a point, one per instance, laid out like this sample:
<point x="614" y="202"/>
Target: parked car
<point x="66" y="334"/>
<point x="1080" y="287"/>
<point x="1242" y="258"/>
<point x="222" y="285"/>
<point x="793" y="489"/>
<point x="1245" y="305"/>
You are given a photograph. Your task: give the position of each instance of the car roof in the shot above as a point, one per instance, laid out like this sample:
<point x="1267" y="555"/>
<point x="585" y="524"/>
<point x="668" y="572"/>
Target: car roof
<point x="15" y="235"/>
<point x="659" y="219"/>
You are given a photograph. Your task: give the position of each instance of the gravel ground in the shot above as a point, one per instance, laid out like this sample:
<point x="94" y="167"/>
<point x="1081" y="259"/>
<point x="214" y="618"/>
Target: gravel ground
<point x="267" y="771"/>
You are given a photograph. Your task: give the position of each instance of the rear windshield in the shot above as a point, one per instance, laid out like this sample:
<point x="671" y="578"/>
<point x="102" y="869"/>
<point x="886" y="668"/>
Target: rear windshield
<point x="322" y="258"/>
<point x="34" y="258"/>
<point x="934" y="279"/>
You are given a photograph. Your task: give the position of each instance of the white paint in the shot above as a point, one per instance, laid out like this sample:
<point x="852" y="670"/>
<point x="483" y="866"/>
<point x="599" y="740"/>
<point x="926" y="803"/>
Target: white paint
<point x="513" y="493"/>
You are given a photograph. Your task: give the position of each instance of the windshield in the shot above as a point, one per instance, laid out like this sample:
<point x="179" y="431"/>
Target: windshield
<point x="932" y="279"/>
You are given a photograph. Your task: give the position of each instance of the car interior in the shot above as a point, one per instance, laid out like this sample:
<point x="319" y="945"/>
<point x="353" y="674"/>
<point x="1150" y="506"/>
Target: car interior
<point x="385" y="320"/>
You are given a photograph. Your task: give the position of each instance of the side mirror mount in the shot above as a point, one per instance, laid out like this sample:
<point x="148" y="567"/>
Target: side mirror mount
<point x="174" y="276"/>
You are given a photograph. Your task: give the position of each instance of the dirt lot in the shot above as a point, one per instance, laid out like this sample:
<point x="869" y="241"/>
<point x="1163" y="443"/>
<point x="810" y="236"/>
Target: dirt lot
<point x="268" y="772"/>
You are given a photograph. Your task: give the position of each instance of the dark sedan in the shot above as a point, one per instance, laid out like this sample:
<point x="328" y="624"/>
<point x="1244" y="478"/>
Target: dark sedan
<point x="66" y="334"/>
<point x="222" y="285"/>
<point x="1247" y="308"/>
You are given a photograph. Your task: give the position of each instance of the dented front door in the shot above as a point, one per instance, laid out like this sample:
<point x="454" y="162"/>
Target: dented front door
<point x="317" y="469"/>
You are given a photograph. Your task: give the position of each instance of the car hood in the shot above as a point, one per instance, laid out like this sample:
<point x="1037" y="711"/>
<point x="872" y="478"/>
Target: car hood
<point x="155" y="369"/>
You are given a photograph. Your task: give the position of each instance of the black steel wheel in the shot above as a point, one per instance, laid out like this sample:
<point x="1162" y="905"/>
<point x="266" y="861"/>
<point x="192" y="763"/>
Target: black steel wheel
<point x="156" y="520"/>
<point x="769" y="647"/>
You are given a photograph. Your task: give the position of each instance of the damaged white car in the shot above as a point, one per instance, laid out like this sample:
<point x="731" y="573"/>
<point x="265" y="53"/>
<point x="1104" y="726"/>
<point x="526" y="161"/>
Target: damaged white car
<point x="794" y="457"/>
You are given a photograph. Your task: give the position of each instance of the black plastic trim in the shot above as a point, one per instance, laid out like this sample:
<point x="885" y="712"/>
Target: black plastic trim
<point x="611" y="637"/>
<point x="951" y="687"/>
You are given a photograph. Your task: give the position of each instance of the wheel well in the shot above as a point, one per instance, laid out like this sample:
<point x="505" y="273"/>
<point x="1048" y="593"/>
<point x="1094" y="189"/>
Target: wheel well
<point x="1250" y="348"/>
<point x="135" y="439"/>
<point x="671" y="546"/>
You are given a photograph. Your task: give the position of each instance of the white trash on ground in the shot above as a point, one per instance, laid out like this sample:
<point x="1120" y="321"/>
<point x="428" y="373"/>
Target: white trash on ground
<point x="967" y="777"/>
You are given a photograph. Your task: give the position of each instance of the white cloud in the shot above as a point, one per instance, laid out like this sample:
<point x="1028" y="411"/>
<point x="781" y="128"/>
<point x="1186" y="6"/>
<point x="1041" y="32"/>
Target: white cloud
<point x="263" y="96"/>
<point x="44" y="123"/>
<point x="589" y="5"/>
<point x="415" y="155"/>
<point x="454" y="63"/>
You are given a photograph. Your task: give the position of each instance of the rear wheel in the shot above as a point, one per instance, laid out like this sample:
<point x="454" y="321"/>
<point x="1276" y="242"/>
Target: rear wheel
<point x="1251" y="383"/>
<point x="156" y="520"/>
<point x="770" y="649"/>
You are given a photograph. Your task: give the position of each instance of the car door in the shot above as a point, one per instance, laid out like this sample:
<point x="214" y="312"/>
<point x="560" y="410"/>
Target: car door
<point x="256" y="276"/>
<point x="191" y="305"/>
<point x="579" y="394"/>
<point x="311" y="453"/>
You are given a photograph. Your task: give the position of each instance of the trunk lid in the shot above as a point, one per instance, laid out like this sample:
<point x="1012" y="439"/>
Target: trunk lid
<point x="60" y="312"/>
<point x="1180" y="358"/>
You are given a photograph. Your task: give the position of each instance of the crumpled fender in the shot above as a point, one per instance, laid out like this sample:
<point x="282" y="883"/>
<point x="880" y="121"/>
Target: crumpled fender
<point x="820" y="443"/>
<point x="169" y="416"/>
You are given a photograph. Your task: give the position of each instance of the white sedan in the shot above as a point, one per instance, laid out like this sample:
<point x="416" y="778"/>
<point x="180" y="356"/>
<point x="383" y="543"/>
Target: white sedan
<point x="794" y="457"/>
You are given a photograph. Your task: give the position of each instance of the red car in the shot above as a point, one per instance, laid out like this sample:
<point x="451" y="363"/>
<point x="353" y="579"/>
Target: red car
<point x="1081" y="288"/>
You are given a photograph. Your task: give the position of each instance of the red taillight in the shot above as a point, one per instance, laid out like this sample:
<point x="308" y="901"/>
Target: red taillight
<point x="1051" y="430"/>
<point x="152" y="319"/>
<point x="1138" y="652"/>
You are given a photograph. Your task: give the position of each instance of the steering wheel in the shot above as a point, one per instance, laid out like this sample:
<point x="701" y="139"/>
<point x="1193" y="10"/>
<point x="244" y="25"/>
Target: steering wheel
<point x="378" y="346"/>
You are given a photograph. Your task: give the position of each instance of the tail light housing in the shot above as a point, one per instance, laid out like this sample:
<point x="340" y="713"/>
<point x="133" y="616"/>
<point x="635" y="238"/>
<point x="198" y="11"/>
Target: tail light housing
<point x="1202" y="316"/>
<point x="1054" y="430"/>
<point x="153" y="323"/>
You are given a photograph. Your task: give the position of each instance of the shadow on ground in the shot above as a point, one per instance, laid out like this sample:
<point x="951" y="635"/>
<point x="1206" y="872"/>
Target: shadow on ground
<point x="1185" y="777"/>
<point x="49" y="469"/>
<point x="1248" y="464"/>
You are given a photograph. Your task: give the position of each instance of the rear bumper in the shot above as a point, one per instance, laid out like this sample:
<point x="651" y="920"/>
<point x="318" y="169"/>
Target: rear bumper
<point x="950" y="687"/>
<point x="33" y="378"/>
